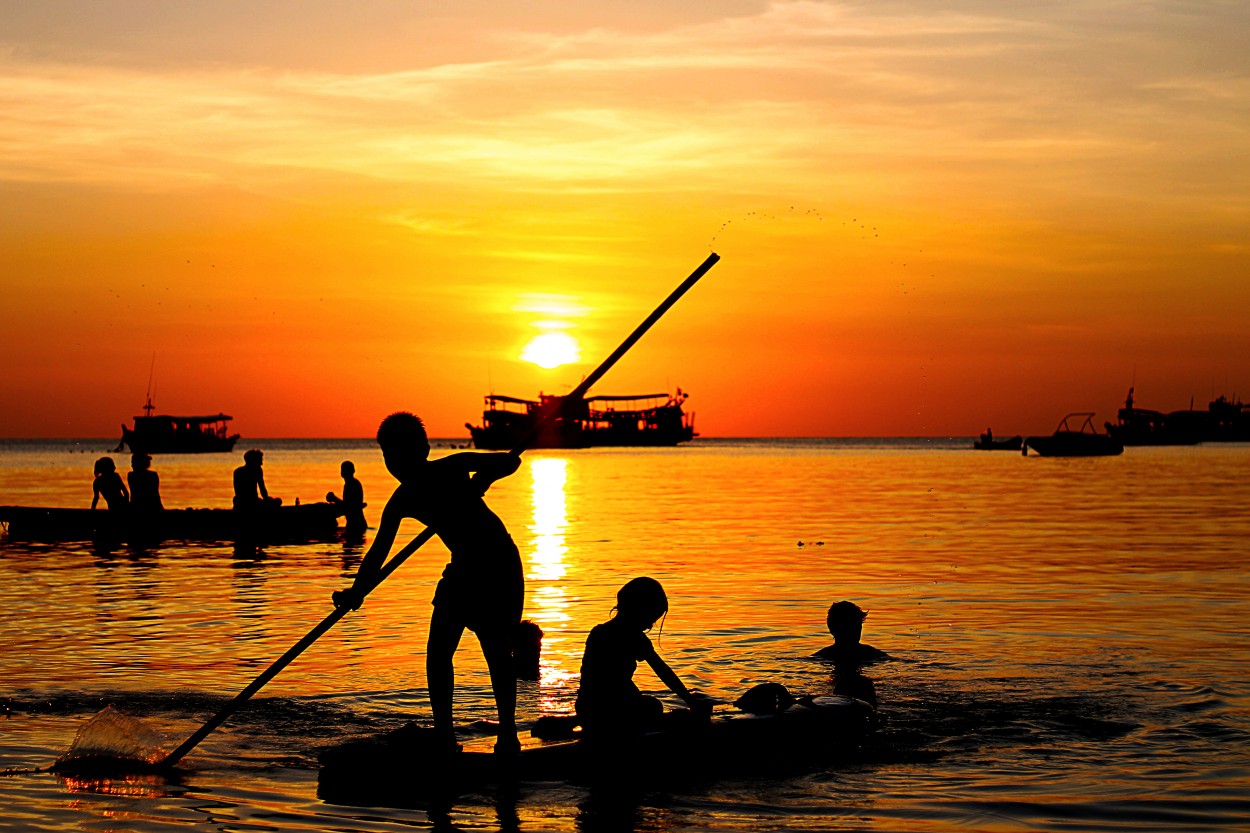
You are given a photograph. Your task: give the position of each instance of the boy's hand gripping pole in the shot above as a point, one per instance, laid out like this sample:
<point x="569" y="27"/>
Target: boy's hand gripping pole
<point x="426" y="534"/>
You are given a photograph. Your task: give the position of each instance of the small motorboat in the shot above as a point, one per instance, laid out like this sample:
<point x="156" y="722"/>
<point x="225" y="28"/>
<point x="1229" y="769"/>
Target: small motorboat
<point x="1082" y="441"/>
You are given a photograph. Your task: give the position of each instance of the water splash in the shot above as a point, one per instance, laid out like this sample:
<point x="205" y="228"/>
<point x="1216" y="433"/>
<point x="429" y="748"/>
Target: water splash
<point x="115" y="736"/>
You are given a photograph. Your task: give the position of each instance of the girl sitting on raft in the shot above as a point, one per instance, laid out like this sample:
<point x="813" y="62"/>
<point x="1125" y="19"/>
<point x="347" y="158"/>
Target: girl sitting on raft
<point x="608" y="701"/>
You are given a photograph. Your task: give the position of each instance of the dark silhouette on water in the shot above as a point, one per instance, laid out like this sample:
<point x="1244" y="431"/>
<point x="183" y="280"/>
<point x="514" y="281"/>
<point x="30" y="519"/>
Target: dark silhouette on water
<point x="1082" y="441"/>
<point x="145" y="485"/>
<point x="609" y="703"/>
<point x="845" y="621"/>
<point x="483" y="586"/>
<point x="527" y="646"/>
<point x="353" y="501"/>
<point x="108" y="484"/>
<point x="249" y="483"/>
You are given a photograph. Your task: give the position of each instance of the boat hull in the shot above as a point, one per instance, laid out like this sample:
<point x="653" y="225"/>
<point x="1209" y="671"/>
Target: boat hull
<point x="1074" y="444"/>
<point x="392" y="768"/>
<point x="310" y="521"/>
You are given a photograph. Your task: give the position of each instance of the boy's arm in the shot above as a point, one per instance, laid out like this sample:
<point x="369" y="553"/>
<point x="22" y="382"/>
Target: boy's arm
<point x="95" y="494"/>
<point x="490" y="466"/>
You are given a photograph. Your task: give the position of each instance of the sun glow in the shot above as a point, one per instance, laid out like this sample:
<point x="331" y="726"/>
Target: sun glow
<point x="552" y="350"/>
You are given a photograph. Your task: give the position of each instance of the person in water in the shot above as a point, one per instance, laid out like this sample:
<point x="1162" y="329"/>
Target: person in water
<point x="249" y="483"/>
<point x="527" y="647"/>
<point x="608" y="700"/>
<point x="845" y="621"/>
<point x="108" y="484"/>
<point x="145" y="484"/>
<point x="483" y="586"/>
<point x="353" y="501"/>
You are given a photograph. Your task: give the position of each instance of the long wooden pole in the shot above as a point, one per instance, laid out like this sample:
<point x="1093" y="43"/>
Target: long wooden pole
<point x="426" y="534"/>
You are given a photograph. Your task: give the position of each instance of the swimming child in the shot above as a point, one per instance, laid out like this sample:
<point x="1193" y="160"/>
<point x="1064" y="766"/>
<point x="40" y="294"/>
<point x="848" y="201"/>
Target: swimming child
<point x="608" y="701"/>
<point x="845" y="621"/>
<point x="108" y="483"/>
<point x="145" y="484"/>
<point x="483" y="586"/>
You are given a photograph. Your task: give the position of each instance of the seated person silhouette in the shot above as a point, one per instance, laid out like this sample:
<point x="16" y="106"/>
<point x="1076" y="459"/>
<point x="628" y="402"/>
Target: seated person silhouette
<point x="145" y="485"/>
<point x="108" y="484"/>
<point x="608" y="701"/>
<point x="353" y="501"/>
<point x="249" y="483"/>
<point x="846" y="621"/>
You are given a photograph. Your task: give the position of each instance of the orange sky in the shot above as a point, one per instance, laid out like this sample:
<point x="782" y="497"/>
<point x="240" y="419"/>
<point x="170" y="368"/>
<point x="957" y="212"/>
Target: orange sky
<point x="932" y="219"/>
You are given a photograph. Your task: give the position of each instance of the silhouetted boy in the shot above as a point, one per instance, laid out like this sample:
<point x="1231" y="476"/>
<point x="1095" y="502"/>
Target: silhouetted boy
<point x="483" y="586"/>
<point x="353" y="500"/>
<point x="249" y="483"/>
<point x="145" y="485"/>
<point x="846" y="621"/>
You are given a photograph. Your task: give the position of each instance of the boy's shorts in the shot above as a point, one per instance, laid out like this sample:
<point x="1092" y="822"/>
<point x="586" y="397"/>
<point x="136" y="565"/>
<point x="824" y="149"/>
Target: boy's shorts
<point x="485" y="594"/>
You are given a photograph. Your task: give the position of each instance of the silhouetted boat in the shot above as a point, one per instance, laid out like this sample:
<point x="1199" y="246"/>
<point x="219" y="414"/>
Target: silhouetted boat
<point x="305" y="522"/>
<point x="1224" y="420"/>
<point x="1141" y="426"/>
<point x="1084" y="441"/>
<point x="654" y="419"/>
<point x="165" y="434"/>
<point x="987" y="443"/>
<point x="390" y="767"/>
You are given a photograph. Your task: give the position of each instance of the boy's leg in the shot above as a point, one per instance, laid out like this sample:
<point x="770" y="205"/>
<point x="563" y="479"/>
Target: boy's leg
<point x="497" y="648"/>
<point x="444" y="638"/>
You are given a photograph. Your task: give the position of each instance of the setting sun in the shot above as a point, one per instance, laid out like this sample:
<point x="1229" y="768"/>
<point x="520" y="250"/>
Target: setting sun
<point x="551" y="350"/>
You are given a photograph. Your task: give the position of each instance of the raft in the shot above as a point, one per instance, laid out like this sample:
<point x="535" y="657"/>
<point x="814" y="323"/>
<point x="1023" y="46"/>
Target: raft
<point x="309" y="521"/>
<point x="401" y="765"/>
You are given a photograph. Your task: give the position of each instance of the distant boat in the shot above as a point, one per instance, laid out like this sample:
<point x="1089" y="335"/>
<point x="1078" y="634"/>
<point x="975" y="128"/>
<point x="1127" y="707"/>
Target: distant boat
<point x="165" y="434"/>
<point x="1141" y="426"/>
<point x="1083" y="441"/>
<point x="988" y="443"/>
<point x="1224" y="420"/>
<point x="654" y="419"/>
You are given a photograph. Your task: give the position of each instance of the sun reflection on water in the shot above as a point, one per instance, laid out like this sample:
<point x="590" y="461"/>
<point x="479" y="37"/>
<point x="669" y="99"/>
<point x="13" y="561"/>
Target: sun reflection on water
<point x="547" y="599"/>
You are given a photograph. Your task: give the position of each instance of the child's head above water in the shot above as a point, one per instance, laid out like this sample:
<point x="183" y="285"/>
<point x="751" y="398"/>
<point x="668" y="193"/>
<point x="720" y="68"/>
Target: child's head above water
<point x="845" y="618"/>
<point x="642" y="599"/>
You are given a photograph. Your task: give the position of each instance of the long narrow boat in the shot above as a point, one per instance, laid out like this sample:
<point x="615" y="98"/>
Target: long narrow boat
<point x="399" y="765"/>
<point x="309" y="521"/>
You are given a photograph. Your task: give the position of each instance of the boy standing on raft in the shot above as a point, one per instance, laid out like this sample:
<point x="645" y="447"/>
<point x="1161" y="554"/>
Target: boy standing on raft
<point x="483" y="586"/>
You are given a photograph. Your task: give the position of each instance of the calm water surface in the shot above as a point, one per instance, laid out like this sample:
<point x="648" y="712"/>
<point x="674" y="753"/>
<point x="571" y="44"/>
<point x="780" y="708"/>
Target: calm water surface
<point x="1070" y="636"/>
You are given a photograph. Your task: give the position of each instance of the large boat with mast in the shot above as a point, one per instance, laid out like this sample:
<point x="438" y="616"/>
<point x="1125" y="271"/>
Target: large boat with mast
<point x="166" y="434"/>
<point x="654" y="419"/>
<point x="1224" y="420"/>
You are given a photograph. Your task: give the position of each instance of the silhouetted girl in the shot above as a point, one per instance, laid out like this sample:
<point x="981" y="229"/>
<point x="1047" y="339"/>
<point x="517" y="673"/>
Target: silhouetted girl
<point x="608" y="701"/>
<point x="109" y="484"/>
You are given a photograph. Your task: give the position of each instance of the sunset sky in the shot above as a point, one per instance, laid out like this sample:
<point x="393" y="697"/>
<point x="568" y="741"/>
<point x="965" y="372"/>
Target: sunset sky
<point x="933" y="217"/>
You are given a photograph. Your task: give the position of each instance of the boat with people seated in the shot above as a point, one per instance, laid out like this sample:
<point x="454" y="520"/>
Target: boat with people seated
<point x="728" y="743"/>
<point x="166" y="434"/>
<point x="986" y="442"/>
<point x="1082" y="441"/>
<point x="653" y="419"/>
<point x="301" y="522"/>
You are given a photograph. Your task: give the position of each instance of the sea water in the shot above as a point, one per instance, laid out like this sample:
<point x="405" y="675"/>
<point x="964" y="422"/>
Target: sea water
<point x="1068" y="637"/>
